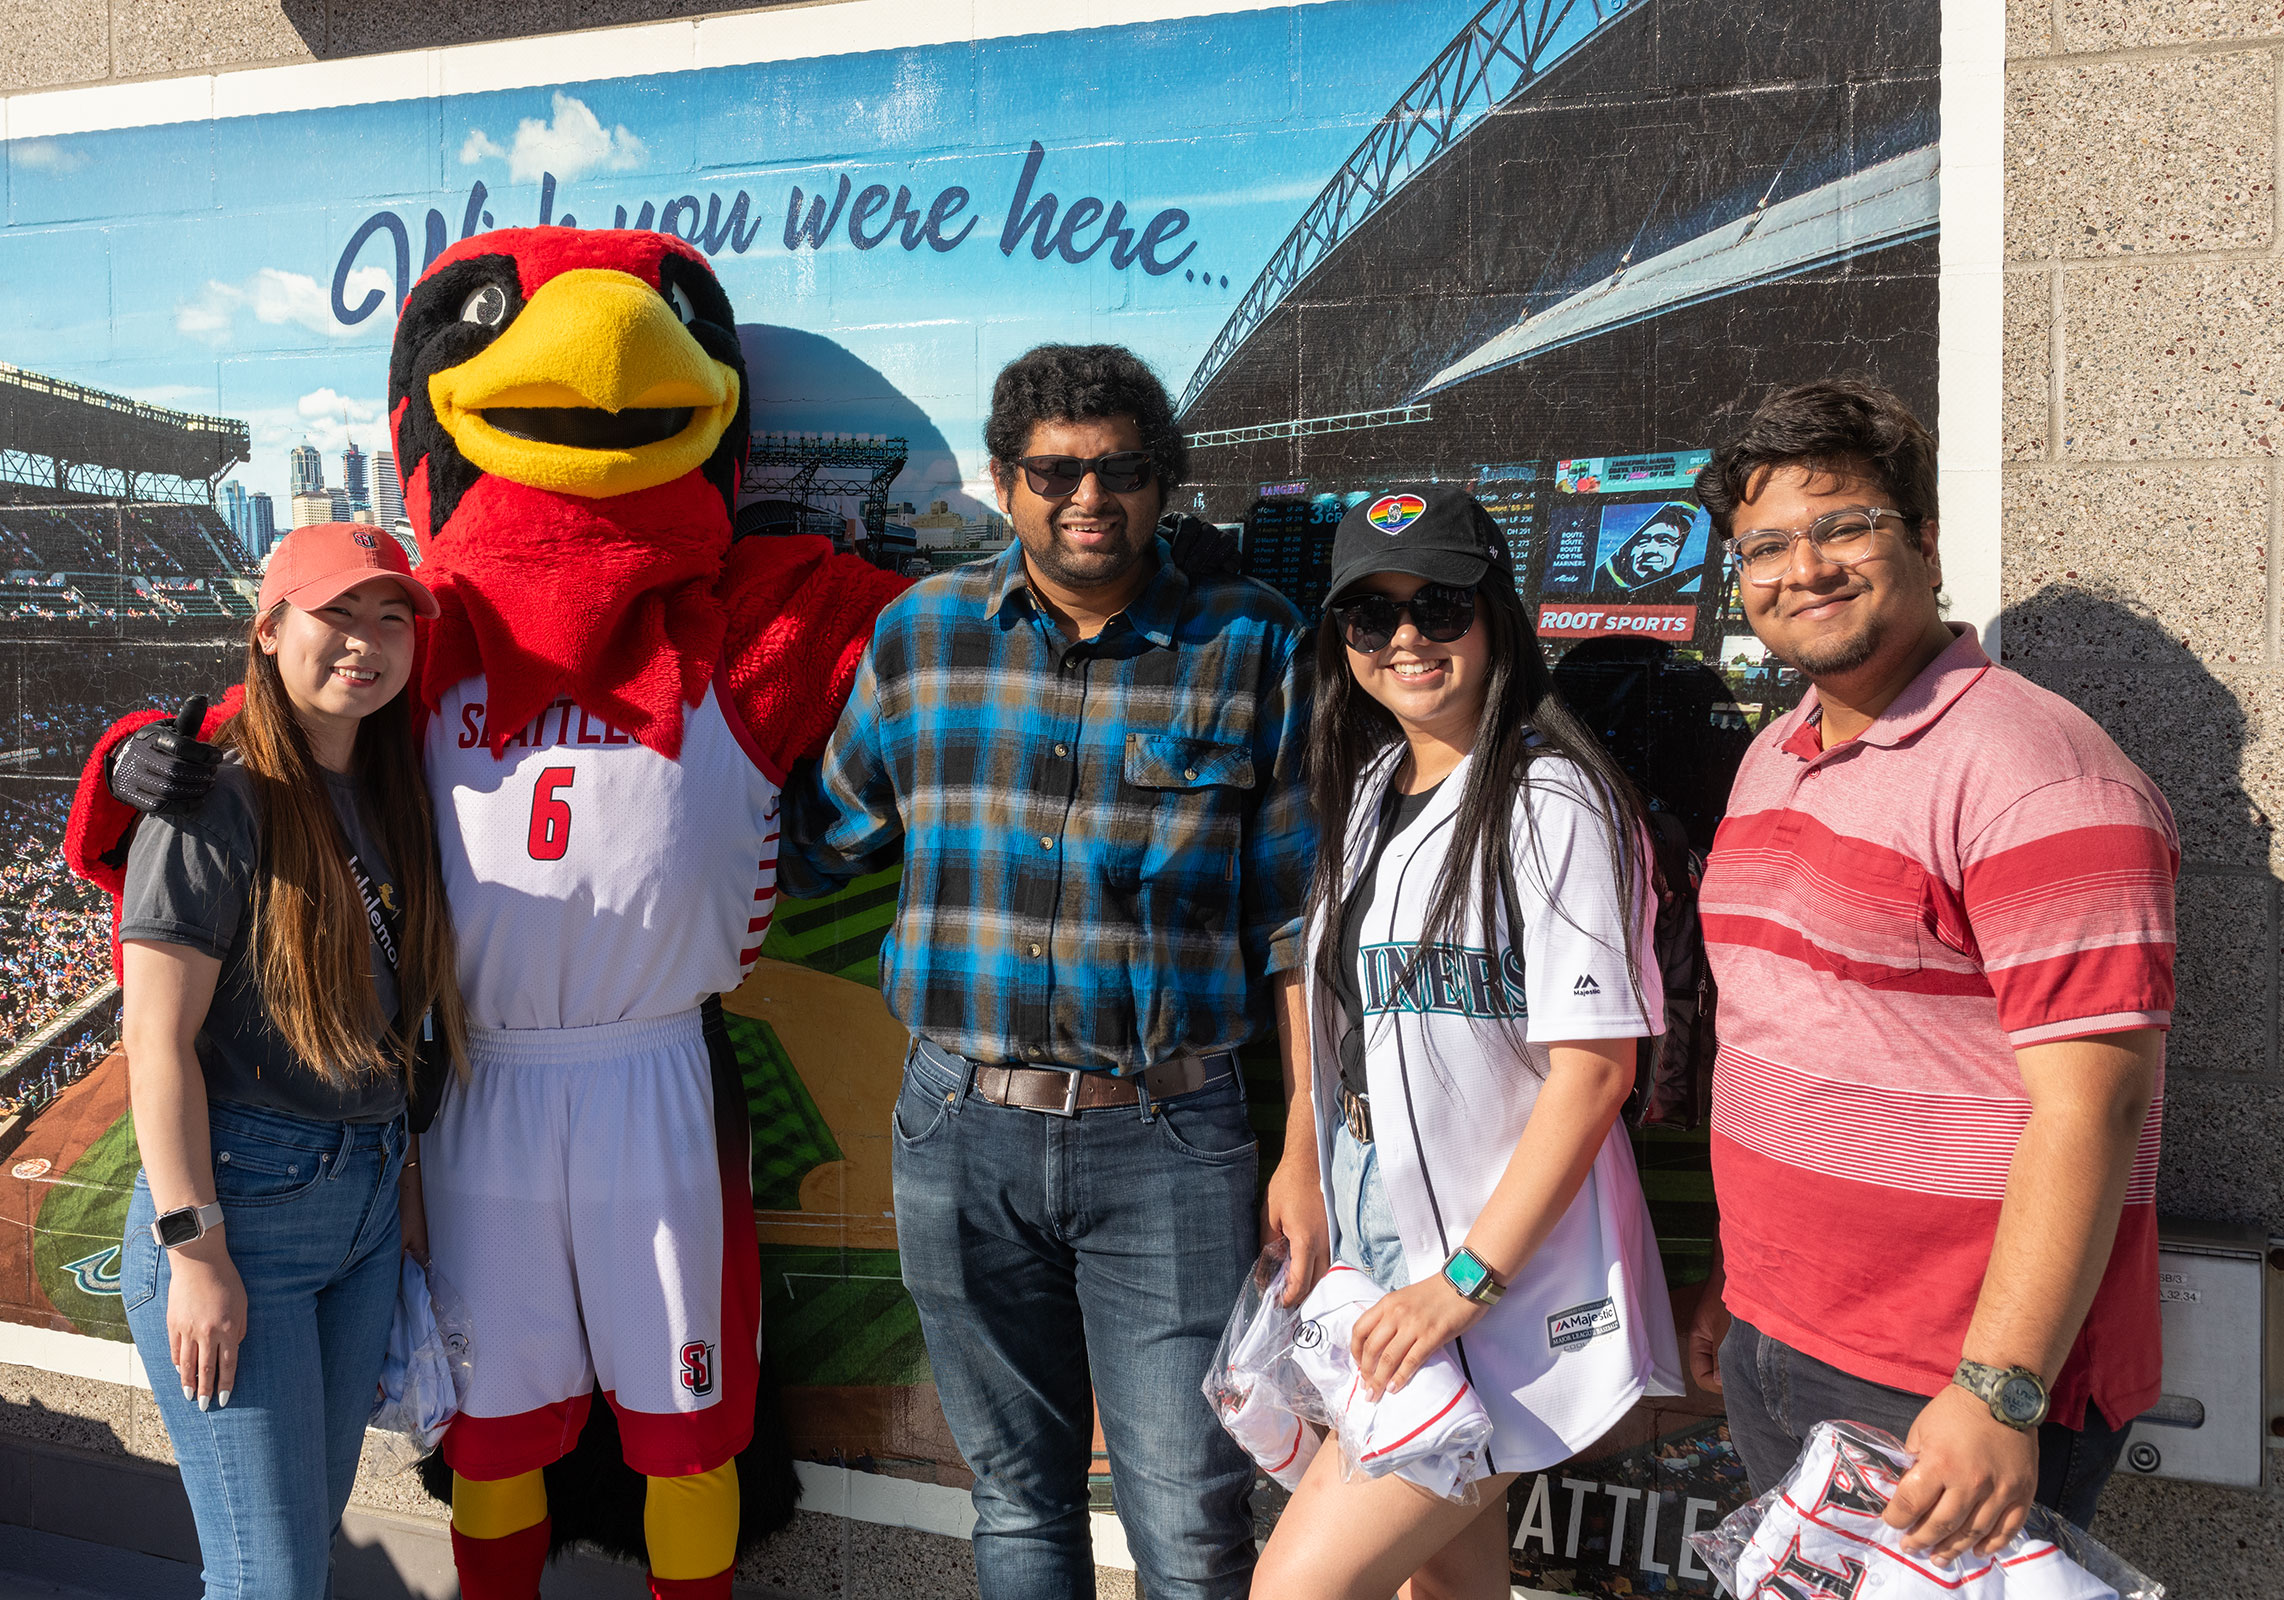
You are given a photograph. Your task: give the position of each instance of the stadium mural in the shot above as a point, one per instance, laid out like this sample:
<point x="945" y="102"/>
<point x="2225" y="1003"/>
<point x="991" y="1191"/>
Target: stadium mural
<point x="1539" y="247"/>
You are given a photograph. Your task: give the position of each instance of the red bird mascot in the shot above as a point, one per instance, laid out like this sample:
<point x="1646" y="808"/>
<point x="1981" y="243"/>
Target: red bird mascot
<point x="613" y="696"/>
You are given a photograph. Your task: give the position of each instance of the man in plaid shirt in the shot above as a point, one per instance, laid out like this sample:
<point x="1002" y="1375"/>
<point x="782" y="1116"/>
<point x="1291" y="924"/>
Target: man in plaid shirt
<point x="1091" y="762"/>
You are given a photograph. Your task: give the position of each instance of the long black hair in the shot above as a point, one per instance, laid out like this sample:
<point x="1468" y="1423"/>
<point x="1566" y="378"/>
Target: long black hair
<point x="1523" y="721"/>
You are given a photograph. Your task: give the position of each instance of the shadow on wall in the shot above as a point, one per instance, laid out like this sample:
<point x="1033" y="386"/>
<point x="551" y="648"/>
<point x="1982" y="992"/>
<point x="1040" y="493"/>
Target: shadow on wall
<point x="333" y="28"/>
<point x="804" y="382"/>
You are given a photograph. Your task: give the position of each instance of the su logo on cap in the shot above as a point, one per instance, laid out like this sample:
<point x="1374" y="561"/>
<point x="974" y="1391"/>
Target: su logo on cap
<point x="365" y="541"/>
<point x="1393" y="513"/>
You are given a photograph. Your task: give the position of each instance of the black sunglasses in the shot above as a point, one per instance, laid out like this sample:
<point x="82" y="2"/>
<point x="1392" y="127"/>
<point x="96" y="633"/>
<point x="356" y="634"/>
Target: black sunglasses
<point x="1442" y="613"/>
<point x="1057" y="476"/>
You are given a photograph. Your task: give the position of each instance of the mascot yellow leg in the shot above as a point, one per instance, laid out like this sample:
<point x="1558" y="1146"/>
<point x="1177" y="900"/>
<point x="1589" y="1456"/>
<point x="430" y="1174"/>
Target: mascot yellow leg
<point x="691" y="1526"/>
<point x="499" y="1535"/>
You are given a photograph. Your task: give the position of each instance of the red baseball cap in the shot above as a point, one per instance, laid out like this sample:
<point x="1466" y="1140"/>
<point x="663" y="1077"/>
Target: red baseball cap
<point x="318" y="561"/>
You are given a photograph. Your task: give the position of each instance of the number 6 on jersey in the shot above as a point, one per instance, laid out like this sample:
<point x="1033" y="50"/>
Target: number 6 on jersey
<point x="550" y="817"/>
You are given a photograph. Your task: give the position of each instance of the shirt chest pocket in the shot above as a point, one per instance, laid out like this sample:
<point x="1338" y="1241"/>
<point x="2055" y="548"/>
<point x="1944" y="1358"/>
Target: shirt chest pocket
<point x="1185" y="800"/>
<point x="1871" y="912"/>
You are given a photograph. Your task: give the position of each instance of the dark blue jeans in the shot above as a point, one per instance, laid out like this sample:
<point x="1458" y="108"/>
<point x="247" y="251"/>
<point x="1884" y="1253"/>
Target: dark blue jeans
<point x="309" y="1215"/>
<point x="1776" y="1396"/>
<point x="1047" y="1251"/>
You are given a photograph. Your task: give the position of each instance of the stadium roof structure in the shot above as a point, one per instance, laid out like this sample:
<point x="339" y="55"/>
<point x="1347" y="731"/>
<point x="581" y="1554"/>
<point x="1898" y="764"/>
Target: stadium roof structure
<point x="74" y="440"/>
<point x="1503" y="49"/>
<point x="802" y="466"/>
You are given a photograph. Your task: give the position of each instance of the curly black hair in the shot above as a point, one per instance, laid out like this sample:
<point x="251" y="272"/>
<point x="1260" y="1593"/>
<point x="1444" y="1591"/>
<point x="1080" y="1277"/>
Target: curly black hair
<point x="1079" y="383"/>
<point x="1838" y="425"/>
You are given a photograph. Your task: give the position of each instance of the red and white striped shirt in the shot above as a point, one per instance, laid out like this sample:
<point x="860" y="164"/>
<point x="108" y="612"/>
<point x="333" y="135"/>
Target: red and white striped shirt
<point x="1889" y="920"/>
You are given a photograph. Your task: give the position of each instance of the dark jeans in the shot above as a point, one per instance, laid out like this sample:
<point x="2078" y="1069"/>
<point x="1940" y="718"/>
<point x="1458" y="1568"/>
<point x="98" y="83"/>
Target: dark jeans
<point x="1044" y="1252"/>
<point x="1776" y="1395"/>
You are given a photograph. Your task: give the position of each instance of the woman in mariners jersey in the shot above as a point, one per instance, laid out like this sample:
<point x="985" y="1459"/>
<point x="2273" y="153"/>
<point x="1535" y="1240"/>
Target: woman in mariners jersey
<point x="1480" y="971"/>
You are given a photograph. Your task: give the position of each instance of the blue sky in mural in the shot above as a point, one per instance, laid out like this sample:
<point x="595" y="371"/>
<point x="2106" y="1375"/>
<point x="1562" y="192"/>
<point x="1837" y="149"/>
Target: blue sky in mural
<point x="206" y="266"/>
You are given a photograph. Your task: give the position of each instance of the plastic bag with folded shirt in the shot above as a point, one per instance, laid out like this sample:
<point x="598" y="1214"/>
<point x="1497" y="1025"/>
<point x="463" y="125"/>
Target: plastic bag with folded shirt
<point x="1432" y="1432"/>
<point x="426" y="1367"/>
<point x="1253" y="1386"/>
<point x="1819" y="1533"/>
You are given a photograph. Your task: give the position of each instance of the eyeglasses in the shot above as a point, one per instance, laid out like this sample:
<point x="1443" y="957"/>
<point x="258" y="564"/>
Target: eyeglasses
<point x="1056" y="477"/>
<point x="1442" y="613"/>
<point x="1840" y="537"/>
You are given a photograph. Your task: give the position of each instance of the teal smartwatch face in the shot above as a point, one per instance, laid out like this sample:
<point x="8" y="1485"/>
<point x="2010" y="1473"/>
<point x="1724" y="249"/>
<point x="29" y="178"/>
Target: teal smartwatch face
<point x="1466" y="1273"/>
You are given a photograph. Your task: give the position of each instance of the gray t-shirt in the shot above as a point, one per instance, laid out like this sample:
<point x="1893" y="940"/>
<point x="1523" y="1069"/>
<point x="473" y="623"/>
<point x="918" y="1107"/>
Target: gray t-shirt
<point x="190" y="882"/>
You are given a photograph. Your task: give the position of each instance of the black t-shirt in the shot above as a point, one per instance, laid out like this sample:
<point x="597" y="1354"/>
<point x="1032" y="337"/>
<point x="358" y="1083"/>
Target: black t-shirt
<point x="190" y="881"/>
<point x="1397" y="812"/>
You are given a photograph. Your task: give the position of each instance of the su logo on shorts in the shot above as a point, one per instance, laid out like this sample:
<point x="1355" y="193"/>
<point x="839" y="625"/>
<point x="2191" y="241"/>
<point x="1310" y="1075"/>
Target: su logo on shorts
<point x="698" y="1367"/>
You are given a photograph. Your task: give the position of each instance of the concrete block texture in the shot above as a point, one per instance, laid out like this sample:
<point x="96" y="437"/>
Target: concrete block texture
<point x="54" y="41"/>
<point x="2200" y="1542"/>
<point x="154" y="37"/>
<point x="2173" y="361"/>
<point x="56" y="1408"/>
<point x="2029" y="28"/>
<point x="2160" y="564"/>
<point x="2128" y="24"/>
<point x="2027" y="368"/>
<point x="2223" y="974"/>
<point x="2213" y="743"/>
<point x="2222" y="1153"/>
<point x="2117" y="157"/>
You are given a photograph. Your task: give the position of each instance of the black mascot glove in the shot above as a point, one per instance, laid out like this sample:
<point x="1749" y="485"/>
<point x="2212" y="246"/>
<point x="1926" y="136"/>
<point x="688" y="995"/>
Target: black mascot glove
<point x="166" y="769"/>
<point x="1202" y="549"/>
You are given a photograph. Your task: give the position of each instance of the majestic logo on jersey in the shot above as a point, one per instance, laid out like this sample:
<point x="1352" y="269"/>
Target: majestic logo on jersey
<point x="1581" y="1323"/>
<point x="1585" y="985"/>
<point x="1798" y="1578"/>
<point x="1860" y="1481"/>
<point x="698" y="1367"/>
<point x="1393" y="513"/>
<point x="1444" y="978"/>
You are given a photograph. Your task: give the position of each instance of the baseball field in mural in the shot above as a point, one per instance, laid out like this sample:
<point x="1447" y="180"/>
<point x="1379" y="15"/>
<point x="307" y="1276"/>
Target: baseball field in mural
<point x="1542" y="248"/>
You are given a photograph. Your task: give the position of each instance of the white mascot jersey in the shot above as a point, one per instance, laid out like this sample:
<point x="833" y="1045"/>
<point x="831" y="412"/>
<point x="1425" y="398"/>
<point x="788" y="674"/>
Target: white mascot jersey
<point x="591" y="879"/>
<point x="1821" y="1538"/>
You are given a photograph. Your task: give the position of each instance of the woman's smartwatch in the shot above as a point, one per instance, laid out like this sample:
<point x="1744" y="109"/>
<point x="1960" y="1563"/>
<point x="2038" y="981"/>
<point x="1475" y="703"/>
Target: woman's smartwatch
<point x="1466" y="1272"/>
<point x="185" y="1224"/>
<point x="2016" y="1395"/>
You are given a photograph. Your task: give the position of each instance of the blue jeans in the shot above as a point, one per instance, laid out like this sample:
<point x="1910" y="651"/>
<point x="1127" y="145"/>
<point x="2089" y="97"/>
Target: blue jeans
<point x="1361" y="1214"/>
<point x="1775" y="1396"/>
<point x="310" y="1216"/>
<point x="1046" y="1251"/>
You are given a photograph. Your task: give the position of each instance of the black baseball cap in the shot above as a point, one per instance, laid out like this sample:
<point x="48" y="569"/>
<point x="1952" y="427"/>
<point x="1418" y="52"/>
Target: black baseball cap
<point x="1433" y="531"/>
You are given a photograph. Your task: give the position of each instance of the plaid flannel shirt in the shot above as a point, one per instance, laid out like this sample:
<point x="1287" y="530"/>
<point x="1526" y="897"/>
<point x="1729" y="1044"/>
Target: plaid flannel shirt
<point x="1106" y="843"/>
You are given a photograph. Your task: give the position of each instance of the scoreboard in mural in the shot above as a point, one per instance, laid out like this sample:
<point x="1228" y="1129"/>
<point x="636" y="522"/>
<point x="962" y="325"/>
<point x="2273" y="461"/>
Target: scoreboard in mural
<point x="1541" y="248"/>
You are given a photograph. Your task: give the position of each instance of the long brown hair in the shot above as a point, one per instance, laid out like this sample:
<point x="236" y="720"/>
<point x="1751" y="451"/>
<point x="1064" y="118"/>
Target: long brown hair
<point x="312" y="941"/>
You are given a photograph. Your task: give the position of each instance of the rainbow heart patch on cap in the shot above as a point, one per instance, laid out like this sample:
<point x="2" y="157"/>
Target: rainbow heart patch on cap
<point x="1393" y="513"/>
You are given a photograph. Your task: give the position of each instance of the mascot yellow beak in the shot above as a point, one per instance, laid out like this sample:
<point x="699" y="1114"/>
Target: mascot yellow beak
<point x="595" y="389"/>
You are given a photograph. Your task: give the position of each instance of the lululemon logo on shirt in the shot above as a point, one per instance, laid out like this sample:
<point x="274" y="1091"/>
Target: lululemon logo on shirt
<point x="1581" y="1323"/>
<point x="1585" y="985"/>
<point x="1307" y="1336"/>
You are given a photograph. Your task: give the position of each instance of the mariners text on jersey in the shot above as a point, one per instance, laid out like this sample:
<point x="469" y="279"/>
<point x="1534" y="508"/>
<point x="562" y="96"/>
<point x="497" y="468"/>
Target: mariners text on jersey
<point x="1449" y="978"/>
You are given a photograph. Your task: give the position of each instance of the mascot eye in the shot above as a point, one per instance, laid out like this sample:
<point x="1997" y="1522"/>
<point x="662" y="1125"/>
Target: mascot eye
<point x="487" y="307"/>
<point x="681" y="304"/>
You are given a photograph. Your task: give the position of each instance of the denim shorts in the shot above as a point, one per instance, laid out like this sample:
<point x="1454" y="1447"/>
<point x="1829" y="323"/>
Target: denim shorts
<point x="1363" y="1221"/>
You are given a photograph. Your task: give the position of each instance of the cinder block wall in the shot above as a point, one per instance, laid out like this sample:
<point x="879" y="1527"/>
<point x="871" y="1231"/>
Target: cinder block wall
<point x="2145" y="451"/>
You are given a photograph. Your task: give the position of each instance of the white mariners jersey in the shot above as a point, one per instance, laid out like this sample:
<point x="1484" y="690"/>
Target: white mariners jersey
<point x="1585" y="1329"/>
<point x="1430" y="1432"/>
<point x="1821" y="1538"/>
<point x="591" y="879"/>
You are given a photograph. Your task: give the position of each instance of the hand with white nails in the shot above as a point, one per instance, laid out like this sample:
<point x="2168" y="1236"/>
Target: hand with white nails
<point x="206" y="1318"/>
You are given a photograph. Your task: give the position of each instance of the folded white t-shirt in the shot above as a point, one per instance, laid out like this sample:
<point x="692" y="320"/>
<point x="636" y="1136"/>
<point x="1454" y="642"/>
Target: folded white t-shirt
<point x="1431" y="1431"/>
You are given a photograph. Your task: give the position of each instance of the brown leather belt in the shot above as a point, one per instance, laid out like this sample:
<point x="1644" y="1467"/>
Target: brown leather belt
<point x="1356" y="1111"/>
<point x="1066" y="1093"/>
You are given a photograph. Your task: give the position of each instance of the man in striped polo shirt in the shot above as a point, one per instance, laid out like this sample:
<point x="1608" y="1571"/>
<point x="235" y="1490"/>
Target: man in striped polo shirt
<point x="1940" y="911"/>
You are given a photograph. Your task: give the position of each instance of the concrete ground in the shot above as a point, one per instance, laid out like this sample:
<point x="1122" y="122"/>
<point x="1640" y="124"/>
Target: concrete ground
<point x="48" y="1566"/>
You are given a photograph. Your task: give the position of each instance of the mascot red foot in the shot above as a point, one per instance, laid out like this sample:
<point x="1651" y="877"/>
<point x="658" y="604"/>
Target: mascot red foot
<point x="613" y="696"/>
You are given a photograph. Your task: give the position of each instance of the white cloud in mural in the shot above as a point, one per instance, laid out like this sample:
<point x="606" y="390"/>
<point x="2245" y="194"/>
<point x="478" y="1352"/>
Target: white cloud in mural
<point x="46" y="155"/>
<point x="331" y="405"/>
<point x="573" y="144"/>
<point x="276" y="298"/>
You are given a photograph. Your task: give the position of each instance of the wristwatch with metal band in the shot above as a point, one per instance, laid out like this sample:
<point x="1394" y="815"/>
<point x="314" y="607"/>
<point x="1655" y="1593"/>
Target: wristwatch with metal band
<point x="184" y="1224"/>
<point x="2016" y="1395"/>
<point x="1466" y="1272"/>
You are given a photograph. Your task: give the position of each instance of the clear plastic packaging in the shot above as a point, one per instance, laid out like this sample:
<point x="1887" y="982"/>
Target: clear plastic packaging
<point x="1819" y="1533"/>
<point x="1283" y="1372"/>
<point x="426" y="1368"/>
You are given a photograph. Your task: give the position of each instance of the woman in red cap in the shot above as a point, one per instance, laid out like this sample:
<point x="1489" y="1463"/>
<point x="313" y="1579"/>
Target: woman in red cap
<point x="284" y="950"/>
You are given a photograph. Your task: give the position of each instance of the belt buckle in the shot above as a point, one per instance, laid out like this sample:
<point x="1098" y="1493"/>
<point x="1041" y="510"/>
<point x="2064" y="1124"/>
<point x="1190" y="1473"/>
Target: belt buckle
<point x="1070" y="1107"/>
<point x="1353" y="1113"/>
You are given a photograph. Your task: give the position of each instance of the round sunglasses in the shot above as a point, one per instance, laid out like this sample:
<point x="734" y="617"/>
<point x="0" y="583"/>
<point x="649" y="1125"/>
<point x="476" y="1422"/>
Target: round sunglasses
<point x="1442" y="612"/>
<point x="1055" y="477"/>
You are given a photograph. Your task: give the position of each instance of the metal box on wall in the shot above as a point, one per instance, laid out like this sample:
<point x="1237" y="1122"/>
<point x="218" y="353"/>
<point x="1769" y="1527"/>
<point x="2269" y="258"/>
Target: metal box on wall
<point x="2211" y="1423"/>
